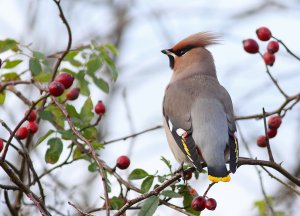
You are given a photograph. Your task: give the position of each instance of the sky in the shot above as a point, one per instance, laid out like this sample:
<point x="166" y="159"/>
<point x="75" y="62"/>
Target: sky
<point x="144" y="74"/>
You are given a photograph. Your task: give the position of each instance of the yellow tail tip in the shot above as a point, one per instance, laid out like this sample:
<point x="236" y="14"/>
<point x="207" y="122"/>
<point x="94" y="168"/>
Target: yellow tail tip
<point x="218" y="179"/>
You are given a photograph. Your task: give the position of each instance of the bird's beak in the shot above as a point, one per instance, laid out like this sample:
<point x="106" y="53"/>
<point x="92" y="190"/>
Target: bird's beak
<point x="166" y="51"/>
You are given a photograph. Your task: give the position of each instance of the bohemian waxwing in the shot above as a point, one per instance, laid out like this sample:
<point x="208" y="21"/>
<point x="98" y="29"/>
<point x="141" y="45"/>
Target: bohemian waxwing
<point x="198" y="112"/>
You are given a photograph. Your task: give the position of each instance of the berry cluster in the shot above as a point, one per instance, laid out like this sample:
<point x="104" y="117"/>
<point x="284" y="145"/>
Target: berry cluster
<point x="63" y="81"/>
<point x="264" y="34"/>
<point x="273" y="124"/>
<point x="200" y="203"/>
<point x="31" y="127"/>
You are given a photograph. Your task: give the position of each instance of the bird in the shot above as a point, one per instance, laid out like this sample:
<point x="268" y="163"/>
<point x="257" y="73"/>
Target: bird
<point x="198" y="111"/>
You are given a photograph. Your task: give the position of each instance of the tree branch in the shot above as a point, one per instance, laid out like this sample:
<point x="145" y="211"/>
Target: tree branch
<point x="91" y="152"/>
<point x="59" y="60"/>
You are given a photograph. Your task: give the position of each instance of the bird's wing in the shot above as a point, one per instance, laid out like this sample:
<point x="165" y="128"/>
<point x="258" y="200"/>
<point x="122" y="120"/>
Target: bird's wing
<point x="233" y="141"/>
<point x="177" y="112"/>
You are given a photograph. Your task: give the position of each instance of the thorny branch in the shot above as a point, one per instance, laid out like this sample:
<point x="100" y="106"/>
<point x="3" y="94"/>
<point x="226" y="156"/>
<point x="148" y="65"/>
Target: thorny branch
<point x="91" y="152"/>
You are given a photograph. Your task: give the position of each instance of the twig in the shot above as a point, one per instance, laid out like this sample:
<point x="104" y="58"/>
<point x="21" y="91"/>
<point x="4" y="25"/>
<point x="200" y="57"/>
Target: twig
<point x="208" y="188"/>
<point x="19" y="95"/>
<point x="65" y="162"/>
<point x="79" y="210"/>
<point x="9" y="187"/>
<point x="154" y="192"/>
<point x="258" y="173"/>
<point x="265" y="194"/>
<point x="282" y="182"/>
<point x="59" y="60"/>
<point x="25" y="189"/>
<point x="14" y="82"/>
<point x="12" y="134"/>
<point x="91" y="152"/>
<point x="277" y="111"/>
<point x="274" y="80"/>
<point x="92" y="125"/>
<point x="277" y="167"/>
<point x="9" y="206"/>
<point x="172" y="206"/>
<point x="267" y="137"/>
<point x="286" y="48"/>
<point x="133" y="135"/>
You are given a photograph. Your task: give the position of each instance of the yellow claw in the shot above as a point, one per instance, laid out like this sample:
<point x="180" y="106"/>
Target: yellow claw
<point x="218" y="179"/>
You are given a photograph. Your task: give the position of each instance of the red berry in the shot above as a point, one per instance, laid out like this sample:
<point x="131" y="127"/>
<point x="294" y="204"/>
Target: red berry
<point x="263" y="33"/>
<point x="32" y="127"/>
<point x="66" y="79"/>
<point x="73" y="94"/>
<point x="32" y="115"/>
<point x="56" y="88"/>
<point x="1" y="145"/>
<point x="269" y="58"/>
<point x="187" y="175"/>
<point x="123" y="162"/>
<point x="22" y="133"/>
<point x="274" y="122"/>
<point x="250" y="46"/>
<point x="273" y="47"/>
<point x="261" y="141"/>
<point x="100" y="108"/>
<point x="272" y="133"/>
<point x="211" y="204"/>
<point x="198" y="203"/>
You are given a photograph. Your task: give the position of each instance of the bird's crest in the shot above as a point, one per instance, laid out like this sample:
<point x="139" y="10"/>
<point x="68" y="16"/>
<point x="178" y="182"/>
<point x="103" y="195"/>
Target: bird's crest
<point x="200" y="39"/>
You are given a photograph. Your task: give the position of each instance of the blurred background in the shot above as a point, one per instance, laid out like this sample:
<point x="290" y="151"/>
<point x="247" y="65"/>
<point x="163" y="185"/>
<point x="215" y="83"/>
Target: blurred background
<point x="140" y="29"/>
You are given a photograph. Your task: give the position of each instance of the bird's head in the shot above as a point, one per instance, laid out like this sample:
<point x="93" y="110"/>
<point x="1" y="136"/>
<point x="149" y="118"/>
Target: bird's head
<point x="190" y="53"/>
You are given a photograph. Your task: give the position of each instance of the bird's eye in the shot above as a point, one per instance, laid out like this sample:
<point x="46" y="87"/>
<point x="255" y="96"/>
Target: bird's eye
<point x="183" y="51"/>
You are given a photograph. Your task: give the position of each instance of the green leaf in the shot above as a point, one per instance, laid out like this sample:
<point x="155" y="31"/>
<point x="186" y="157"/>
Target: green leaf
<point x="111" y="66"/>
<point x="83" y="84"/>
<point x="10" y="76"/>
<point x="93" y="167"/>
<point x="39" y="55"/>
<point x="161" y="179"/>
<point x="149" y="206"/>
<point x="116" y="202"/>
<point x="77" y="153"/>
<point x="102" y="84"/>
<point x="167" y="162"/>
<point x="11" y="64"/>
<point x="54" y="151"/>
<point x="35" y="66"/>
<point x="86" y="113"/>
<point x="43" y="77"/>
<point x="8" y="44"/>
<point x="137" y="174"/>
<point x="53" y="115"/>
<point x="147" y="183"/>
<point x="93" y="65"/>
<point x="67" y="134"/>
<point x="42" y="138"/>
<point x="2" y="97"/>
<point x="170" y="194"/>
<point x="90" y="133"/>
<point x="74" y="115"/>
<point x="112" y="48"/>
<point x="98" y="145"/>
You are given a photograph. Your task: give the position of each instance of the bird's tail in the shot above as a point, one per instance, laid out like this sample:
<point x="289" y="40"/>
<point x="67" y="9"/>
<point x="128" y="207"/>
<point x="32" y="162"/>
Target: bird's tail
<point x="218" y="173"/>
